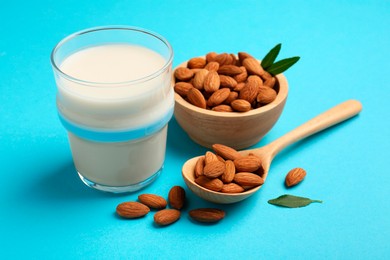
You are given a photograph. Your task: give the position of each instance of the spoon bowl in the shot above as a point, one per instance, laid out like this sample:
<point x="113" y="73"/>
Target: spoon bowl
<point x="266" y="153"/>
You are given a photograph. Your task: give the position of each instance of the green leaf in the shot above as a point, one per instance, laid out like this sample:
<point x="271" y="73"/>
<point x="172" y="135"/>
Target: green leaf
<point x="270" y="57"/>
<point x="291" y="201"/>
<point x="282" y="65"/>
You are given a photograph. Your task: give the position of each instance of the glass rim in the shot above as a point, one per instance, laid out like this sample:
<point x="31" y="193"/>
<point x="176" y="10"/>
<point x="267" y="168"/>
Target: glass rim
<point x="104" y="28"/>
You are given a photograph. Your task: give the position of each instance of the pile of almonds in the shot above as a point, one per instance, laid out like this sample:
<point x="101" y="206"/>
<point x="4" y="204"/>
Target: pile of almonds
<point x="164" y="216"/>
<point x="228" y="171"/>
<point x="225" y="83"/>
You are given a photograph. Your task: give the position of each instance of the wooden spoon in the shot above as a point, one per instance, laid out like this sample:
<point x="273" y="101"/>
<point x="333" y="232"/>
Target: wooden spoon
<point x="329" y="118"/>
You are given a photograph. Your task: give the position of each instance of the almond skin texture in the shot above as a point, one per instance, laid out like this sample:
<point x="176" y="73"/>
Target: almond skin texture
<point x="132" y="209"/>
<point x="199" y="166"/>
<point x="196" y="98"/>
<point x="249" y="91"/>
<point x="177" y="197"/>
<point x="270" y="82"/>
<point x="213" y="65"/>
<point x="295" y="176"/>
<point x="247" y="164"/>
<point x="241" y="105"/>
<point x="239" y="86"/>
<point x="243" y="55"/>
<point x="211" y="184"/>
<point x="212" y="82"/>
<point x="218" y="97"/>
<point x="248" y="179"/>
<point x="222" y="108"/>
<point x="223" y="59"/>
<point x="230" y="171"/>
<point x="242" y="76"/>
<point x="253" y="67"/>
<point x="207" y="215"/>
<point x="196" y="63"/>
<point x="226" y="152"/>
<point x="210" y="157"/>
<point x="227" y="82"/>
<point x="230" y="70"/>
<point x="153" y="201"/>
<point x="214" y="169"/>
<point x="183" y="74"/>
<point x="182" y="88"/>
<point x="211" y="56"/>
<point x="166" y="217"/>
<point x="232" y="188"/>
<point x="199" y="77"/>
<point x="266" y="95"/>
<point x="232" y="96"/>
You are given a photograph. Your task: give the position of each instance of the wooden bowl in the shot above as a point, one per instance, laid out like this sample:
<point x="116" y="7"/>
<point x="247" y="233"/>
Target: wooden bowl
<point x="235" y="129"/>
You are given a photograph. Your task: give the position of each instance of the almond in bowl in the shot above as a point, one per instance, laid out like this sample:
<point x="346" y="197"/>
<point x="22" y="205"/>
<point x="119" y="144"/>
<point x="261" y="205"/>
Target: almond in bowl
<point x="228" y="99"/>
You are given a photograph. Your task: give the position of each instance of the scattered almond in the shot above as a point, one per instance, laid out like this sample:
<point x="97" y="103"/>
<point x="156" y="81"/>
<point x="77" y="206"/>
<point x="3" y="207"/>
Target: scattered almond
<point x="152" y="201"/>
<point x="166" y="217"/>
<point x="132" y="210"/>
<point x="207" y="215"/>
<point x="295" y="176"/>
<point x="176" y="197"/>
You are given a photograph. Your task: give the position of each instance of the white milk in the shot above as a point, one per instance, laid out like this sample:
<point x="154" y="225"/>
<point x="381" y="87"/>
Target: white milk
<point x="118" y="89"/>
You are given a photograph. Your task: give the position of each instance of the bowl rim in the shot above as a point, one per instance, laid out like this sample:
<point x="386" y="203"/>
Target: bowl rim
<point x="282" y="95"/>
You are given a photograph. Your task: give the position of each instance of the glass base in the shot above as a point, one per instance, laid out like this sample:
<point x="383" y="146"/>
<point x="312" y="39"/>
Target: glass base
<point x="120" y="189"/>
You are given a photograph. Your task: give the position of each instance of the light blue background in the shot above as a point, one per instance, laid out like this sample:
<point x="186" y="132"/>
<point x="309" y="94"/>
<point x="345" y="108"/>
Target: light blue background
<point x="46" y="211"/>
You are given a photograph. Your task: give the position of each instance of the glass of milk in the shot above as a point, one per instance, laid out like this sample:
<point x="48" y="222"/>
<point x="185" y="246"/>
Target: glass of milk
<point x="114" y="99"/>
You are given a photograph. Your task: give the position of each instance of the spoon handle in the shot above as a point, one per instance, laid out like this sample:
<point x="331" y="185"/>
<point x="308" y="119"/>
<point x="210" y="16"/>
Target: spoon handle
<point x="329" y="118"/>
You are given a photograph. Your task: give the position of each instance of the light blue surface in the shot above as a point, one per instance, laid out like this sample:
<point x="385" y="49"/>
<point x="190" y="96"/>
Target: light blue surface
<point x="47" y="212"/>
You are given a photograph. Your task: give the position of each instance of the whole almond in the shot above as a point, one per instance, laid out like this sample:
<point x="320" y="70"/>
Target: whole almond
<point x="242" y="76"/>
<point x="199" y="78"/>
<point x="241" y="105"/>
<point x="211" y="82"/>
<point x="213" y="65"/>
<point x="196" y="98"/>
<point x="177" y="197"/>
<point x="232" y="96"/>
<point x="230" y="70"/>
<point x="182" y="88"/>
<point x="270" y="82"/>
<point x="243" y="55"/>
<point x="132" y="209"/>
<point x="295" y="176"/>
<point x="230" y="171"/>
<point x="210" y="56"/>
<point x="183" y="74"/>
<point x="166" y="217"/>
<point x="247" y="164"/>
<point x="214" y="169"/>
<point x="226" y="152"/>
<point x="266" y="75"/>
<point x="232" y="188"/>
<point x="248" y="179"/>
<point x="196" y="63"/>
<point x="218" y="97"/>
<point x="152" y="201"/>
<point x="208" y="215"/>
<point x="199" y="166"/>
<point x="256" y="80"/>
<point x="211" y="184"/>
<point x="266" y="95"/>
<point x="223" y="59"/>
<point x="239" y="86"/>
<point x="249" y="91"/>
<point x="227" y="81"/>
<point x="222" y="108"/>
<point x="253" y="67"/>
<point x="210" y="157"/>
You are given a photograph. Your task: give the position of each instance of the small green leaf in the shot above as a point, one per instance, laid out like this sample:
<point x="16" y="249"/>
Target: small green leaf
<point x="291" y="201"/>
<point x="270" y="57"/>
<point x="282" y="65"/>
